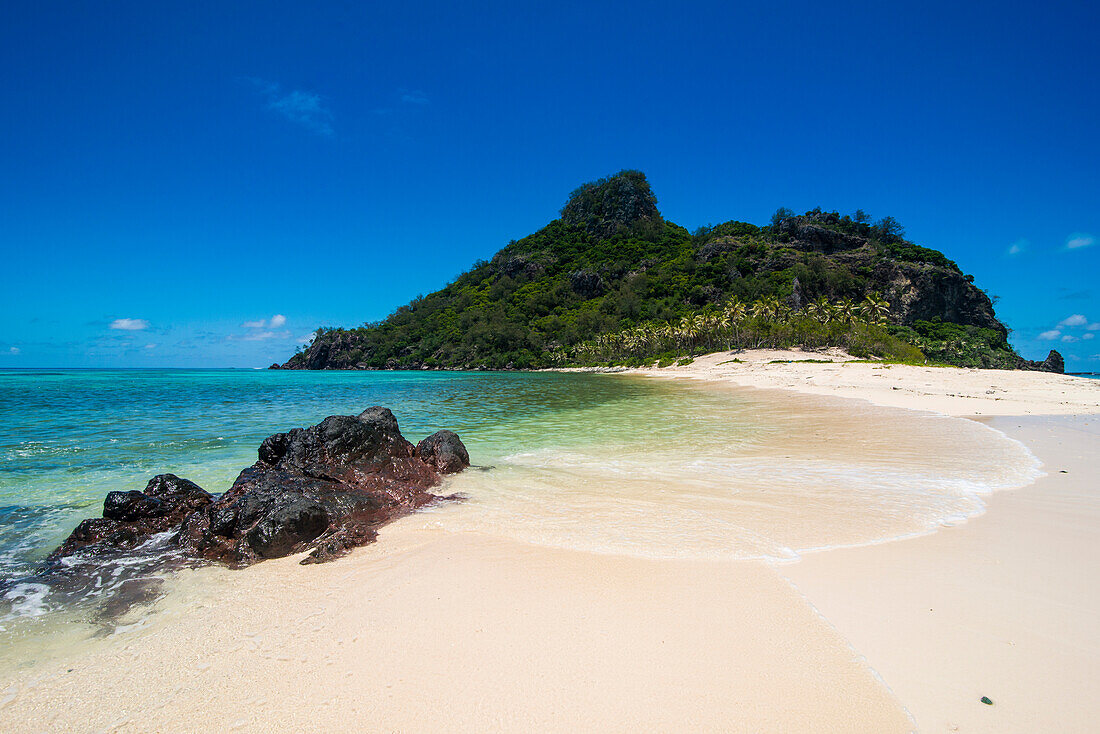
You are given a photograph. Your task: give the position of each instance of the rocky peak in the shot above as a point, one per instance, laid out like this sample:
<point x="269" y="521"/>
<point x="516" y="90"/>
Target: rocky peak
<point x="612" y="205"/>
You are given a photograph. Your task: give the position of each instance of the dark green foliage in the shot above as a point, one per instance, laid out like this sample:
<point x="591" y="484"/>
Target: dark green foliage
<point x="781" y="216"/>
<point x="612" y="263"/>
<point x="889" y="229"/>
<point x="908" y="252"/>
<point x="964" y="346"/>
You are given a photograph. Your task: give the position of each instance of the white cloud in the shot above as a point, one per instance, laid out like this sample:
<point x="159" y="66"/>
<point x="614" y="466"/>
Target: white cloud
<point x="1093" y="327"/>
<point x="1052" y="334"/>
<point x="130" y="324"/>
<point x="1077" y="240"/>
<point x="1069" y="339"/>
<point x="1074" y="320"/>
<point x="150" y="346"/>
<point x="307" y="338"/>
<point x="1017" y="247"/>
<point x="277" y="321"/>
<point x="1088" y="336"/>
<point x="300" y="107"/>
<point x="14" y="350"/>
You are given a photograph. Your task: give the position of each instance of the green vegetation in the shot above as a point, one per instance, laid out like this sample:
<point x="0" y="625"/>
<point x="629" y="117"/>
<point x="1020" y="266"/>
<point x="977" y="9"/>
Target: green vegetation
<point x="612" y="266"/>
<point x="767" y="323"/>
<point x="958" y="344"/>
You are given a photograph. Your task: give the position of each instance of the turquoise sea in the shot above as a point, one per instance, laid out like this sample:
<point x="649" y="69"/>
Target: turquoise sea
<point x="67" y="437"/>
<point x="602" y="463"/>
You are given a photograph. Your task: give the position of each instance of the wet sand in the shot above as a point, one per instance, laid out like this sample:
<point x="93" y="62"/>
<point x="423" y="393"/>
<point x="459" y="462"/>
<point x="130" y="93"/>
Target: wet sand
<point x="1005" y="606"/>
<point x="432" y="631"/>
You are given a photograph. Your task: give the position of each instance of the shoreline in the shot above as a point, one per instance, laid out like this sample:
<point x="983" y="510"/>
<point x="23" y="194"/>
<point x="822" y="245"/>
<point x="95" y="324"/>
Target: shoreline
<point x="1002" y="605"/>
<point x="429" y="629"/>
<point x="954" y="391"/>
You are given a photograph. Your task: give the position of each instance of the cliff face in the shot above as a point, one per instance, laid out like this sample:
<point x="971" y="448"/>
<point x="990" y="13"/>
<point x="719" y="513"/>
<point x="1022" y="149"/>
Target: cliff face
<point x="921" y="292"/>
<point x="612" y="261"/>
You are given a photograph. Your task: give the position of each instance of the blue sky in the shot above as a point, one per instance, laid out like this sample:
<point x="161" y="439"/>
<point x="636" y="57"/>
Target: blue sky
<point x="203" y="183"/>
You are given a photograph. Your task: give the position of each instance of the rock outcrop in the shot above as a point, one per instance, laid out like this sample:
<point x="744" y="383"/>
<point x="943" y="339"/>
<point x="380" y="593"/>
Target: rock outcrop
<point x="1053" y="363"/>
<point x="131" y="518"/>
<point x="324" y="489"/>
<point x="611" y="205"/>
<point x="922" y="291"/>
<point x="586" y="283"/>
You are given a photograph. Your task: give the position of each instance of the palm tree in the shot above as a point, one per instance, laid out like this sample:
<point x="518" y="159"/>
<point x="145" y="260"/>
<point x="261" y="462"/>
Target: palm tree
<point x="820" y="310"/>
<point x="876" y="309"/>
<point x="771" y="308"/>
<point x="734" y="311"/>
<point x="734" y="314"/>
<point x="846" y="310"/>
<point x="689" y="330"/>
<point x="713" y="324"/>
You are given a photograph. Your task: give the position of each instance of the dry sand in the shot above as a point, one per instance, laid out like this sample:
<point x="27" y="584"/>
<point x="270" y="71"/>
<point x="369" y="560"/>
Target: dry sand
<point x="435" y="631"/>
<point x="948" y="390"/>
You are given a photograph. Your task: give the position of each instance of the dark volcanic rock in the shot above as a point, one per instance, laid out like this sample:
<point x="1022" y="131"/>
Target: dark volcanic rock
<point x="132" y="506"/>
<point x="517" y="266"/>
<point x="1053" y="363"/>
<point x="131" y="518"/>
<point x="445" y="451"/>
<point x="586" y="284"/>
<point x="821" y="239"/>
<point x="325" y="488"/>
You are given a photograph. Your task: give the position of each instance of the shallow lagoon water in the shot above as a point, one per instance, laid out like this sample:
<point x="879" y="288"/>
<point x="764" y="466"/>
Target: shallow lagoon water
<point x="603" y="463"/>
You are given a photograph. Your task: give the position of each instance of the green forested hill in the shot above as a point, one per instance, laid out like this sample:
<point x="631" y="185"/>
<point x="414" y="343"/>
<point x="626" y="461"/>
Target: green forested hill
<point x="611" y="266"/>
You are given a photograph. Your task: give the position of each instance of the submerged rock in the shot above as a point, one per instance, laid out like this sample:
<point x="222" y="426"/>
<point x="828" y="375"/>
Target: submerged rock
<point x="325" y="489"/>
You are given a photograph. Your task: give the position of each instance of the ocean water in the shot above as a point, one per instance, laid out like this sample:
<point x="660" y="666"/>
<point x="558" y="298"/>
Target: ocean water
<point x="601" y="463"/>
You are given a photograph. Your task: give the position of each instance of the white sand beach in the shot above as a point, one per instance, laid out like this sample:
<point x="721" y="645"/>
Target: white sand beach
<point x="948" y="390"/>
<point x="430" y="630"/>
<point x="1004" y="606"/>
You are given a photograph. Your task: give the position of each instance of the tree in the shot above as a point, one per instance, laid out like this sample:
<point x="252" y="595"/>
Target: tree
<point x="782" y="214"/>
<point x="889" y="229"/>
<point x="861" y="217"/>
<point x="846" y="310"/>
<point x="875" y="308"/>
